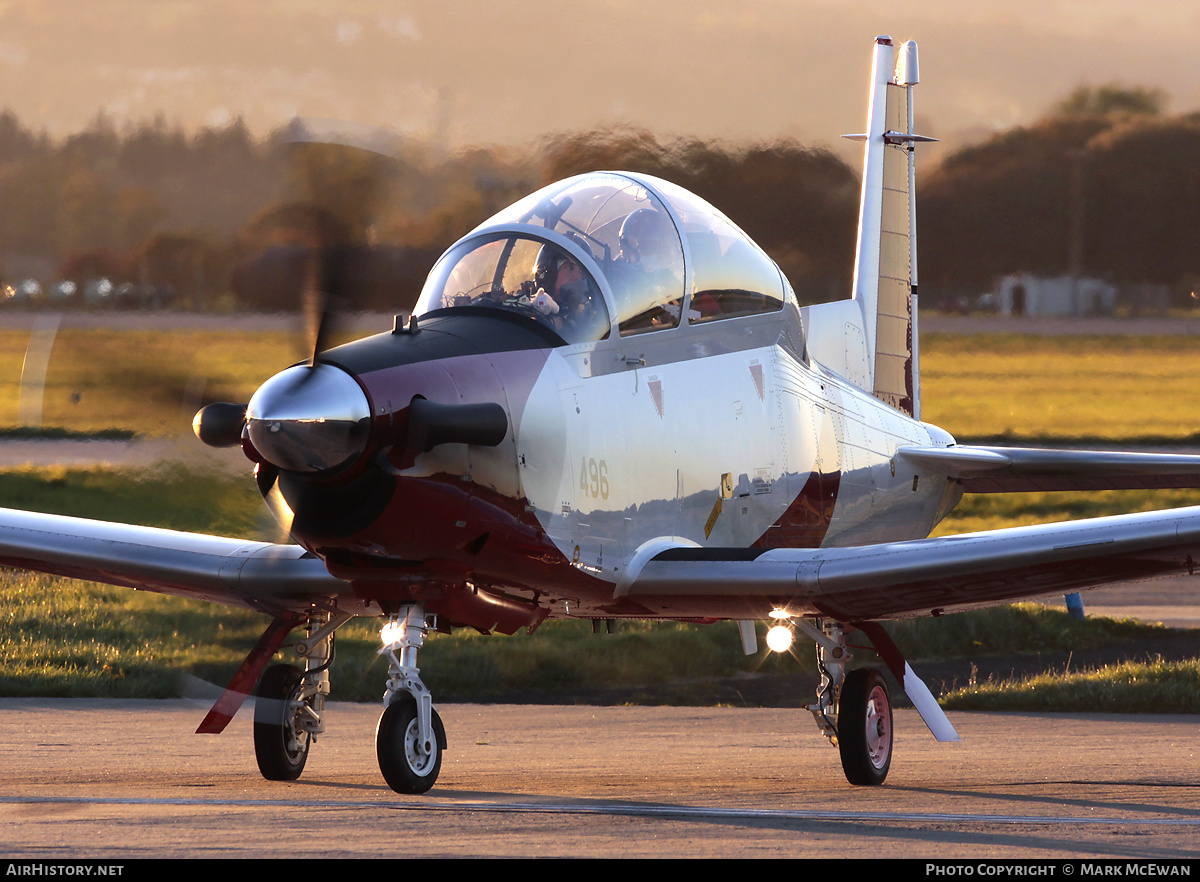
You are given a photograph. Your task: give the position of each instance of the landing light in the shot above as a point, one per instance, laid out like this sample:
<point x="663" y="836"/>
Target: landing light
<point x="779" y="638"/>
<point x="391" y="633"/>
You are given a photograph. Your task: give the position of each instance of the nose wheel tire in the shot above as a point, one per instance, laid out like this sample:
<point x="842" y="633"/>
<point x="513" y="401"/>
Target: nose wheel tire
<point x="865" y="728"/>
<point x="280" y="746"/>
<point x="405" y="763"/>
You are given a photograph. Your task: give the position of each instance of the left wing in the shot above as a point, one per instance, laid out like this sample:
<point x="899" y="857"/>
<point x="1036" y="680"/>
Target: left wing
<point x="256" y="575"/>
<point x="931" y="576"/>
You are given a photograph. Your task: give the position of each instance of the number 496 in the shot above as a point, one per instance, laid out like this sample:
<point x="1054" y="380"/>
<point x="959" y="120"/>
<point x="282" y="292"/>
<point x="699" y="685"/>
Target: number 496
<point x="593" y="478"/>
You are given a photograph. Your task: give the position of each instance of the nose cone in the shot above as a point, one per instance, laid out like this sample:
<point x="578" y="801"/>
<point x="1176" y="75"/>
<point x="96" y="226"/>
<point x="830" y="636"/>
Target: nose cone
<point x="308" y="419"/>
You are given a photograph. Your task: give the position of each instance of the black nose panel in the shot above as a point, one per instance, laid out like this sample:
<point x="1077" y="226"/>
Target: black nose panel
<point x="443" y="334"/>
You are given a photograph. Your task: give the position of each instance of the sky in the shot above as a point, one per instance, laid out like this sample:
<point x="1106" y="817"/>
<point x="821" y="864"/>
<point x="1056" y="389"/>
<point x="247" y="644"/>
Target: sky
<point x="513" y="71"/>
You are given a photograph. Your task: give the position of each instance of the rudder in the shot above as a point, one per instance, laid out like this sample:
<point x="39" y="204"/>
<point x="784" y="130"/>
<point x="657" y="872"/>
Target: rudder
<point x="885" y="269"/>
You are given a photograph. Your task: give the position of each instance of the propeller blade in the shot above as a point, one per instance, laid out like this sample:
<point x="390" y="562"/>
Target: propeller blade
<point x="324" y="296"/>
<point x="346" y="133"/>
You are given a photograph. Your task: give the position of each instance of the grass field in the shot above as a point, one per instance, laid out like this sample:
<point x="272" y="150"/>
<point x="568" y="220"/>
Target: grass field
<point x="1019" y="387"/>
<point x="61" y="637"/>
<point x="1151" y="688"/>
<point x="146" y="381"/>
<point x="1025" y="387"/>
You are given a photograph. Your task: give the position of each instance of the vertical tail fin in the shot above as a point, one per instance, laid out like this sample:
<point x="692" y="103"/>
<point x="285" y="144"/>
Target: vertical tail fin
<point x="885" y="264"/>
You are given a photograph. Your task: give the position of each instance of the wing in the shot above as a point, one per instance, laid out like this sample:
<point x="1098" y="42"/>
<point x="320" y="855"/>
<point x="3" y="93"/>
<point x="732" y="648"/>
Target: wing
<point x="931" y="576"/>
<point x="256" y="575"/>
<point x="1023" y="469"/>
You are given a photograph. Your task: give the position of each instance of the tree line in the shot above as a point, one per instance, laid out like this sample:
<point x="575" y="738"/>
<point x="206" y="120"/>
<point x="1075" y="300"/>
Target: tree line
<point x="1106" y="185"/>
<point x="1113" y="195"/>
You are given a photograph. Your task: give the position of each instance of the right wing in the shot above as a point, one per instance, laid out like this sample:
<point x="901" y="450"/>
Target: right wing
<point x="255" y="575"/>
<point x="931" y="576"/>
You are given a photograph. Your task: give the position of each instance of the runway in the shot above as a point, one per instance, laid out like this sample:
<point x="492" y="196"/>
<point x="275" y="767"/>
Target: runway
<point x="119" y="780"/>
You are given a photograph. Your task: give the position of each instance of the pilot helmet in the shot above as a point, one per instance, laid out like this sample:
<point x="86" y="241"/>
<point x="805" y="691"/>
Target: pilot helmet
<point x="545" y="268"/>
<point x="550" y="258"/>
<point x="645" y="233"/>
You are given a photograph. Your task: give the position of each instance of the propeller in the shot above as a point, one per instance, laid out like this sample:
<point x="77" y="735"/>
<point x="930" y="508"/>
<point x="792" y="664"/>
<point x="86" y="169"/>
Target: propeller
<point x="337" y="191"/>
<point x="315" y="417"/>
<point x="325" y="296"/>
<point x="309" y="418"/>
<point x="222" y="424"/>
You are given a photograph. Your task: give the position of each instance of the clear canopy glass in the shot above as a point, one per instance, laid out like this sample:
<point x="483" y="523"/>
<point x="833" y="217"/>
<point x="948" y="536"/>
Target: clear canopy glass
<point x="578" y="253"/>
<point x="532" y="278"/>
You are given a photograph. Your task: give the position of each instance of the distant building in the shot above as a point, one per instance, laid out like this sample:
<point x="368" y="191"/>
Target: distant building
<point x="1025" y="294"/>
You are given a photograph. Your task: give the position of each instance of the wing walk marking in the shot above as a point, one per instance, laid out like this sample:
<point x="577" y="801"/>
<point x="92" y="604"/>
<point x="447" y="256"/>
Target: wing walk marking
<point x="1085" y="544"/>
<point x="684" y="811"/>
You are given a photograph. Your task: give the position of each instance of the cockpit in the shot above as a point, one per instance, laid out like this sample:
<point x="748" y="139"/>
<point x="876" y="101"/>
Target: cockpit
<point x="607" y="254"/>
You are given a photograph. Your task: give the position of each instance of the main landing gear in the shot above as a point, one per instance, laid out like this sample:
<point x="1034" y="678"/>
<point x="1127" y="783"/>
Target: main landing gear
<point x="289" y="711"/>
<point x="853" y="708"/>
<point x="865" y="727"/>
<point x="281" y="738"/>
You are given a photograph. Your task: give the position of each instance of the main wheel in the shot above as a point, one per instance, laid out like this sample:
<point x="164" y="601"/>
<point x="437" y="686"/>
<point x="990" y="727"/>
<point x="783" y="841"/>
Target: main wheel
<point x="279" y="746"/>
<point x="865" y="727"/>
<point x="405" y="765"/>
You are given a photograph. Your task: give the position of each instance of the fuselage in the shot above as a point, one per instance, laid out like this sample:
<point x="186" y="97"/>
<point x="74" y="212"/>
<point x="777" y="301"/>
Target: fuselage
<point x="668" y="400"/>
<point x="727" y="437"/>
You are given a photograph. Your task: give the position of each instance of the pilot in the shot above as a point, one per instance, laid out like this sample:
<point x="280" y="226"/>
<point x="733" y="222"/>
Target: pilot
<point x="649" y="271"/>
<point x="565" y="296"/>
<point x="647" y="240"/>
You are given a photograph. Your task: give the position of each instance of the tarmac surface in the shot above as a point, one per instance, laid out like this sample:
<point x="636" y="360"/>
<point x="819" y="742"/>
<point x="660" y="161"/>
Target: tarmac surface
<point x="122" y="780"/>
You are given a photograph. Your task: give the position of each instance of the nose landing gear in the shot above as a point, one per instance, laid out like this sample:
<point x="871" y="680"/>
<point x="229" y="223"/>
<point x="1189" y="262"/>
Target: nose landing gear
<point x="410" y="738"/>
<point x="409" y="763"/>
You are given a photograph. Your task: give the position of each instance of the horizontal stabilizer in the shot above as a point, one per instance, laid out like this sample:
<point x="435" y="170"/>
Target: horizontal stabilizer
<point x="1025" y="469"/>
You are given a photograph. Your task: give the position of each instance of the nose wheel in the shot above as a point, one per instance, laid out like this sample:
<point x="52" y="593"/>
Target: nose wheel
<point x="409" y="763"/>
<point x="410" y="738"/>
<point x="864" y="727"/>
